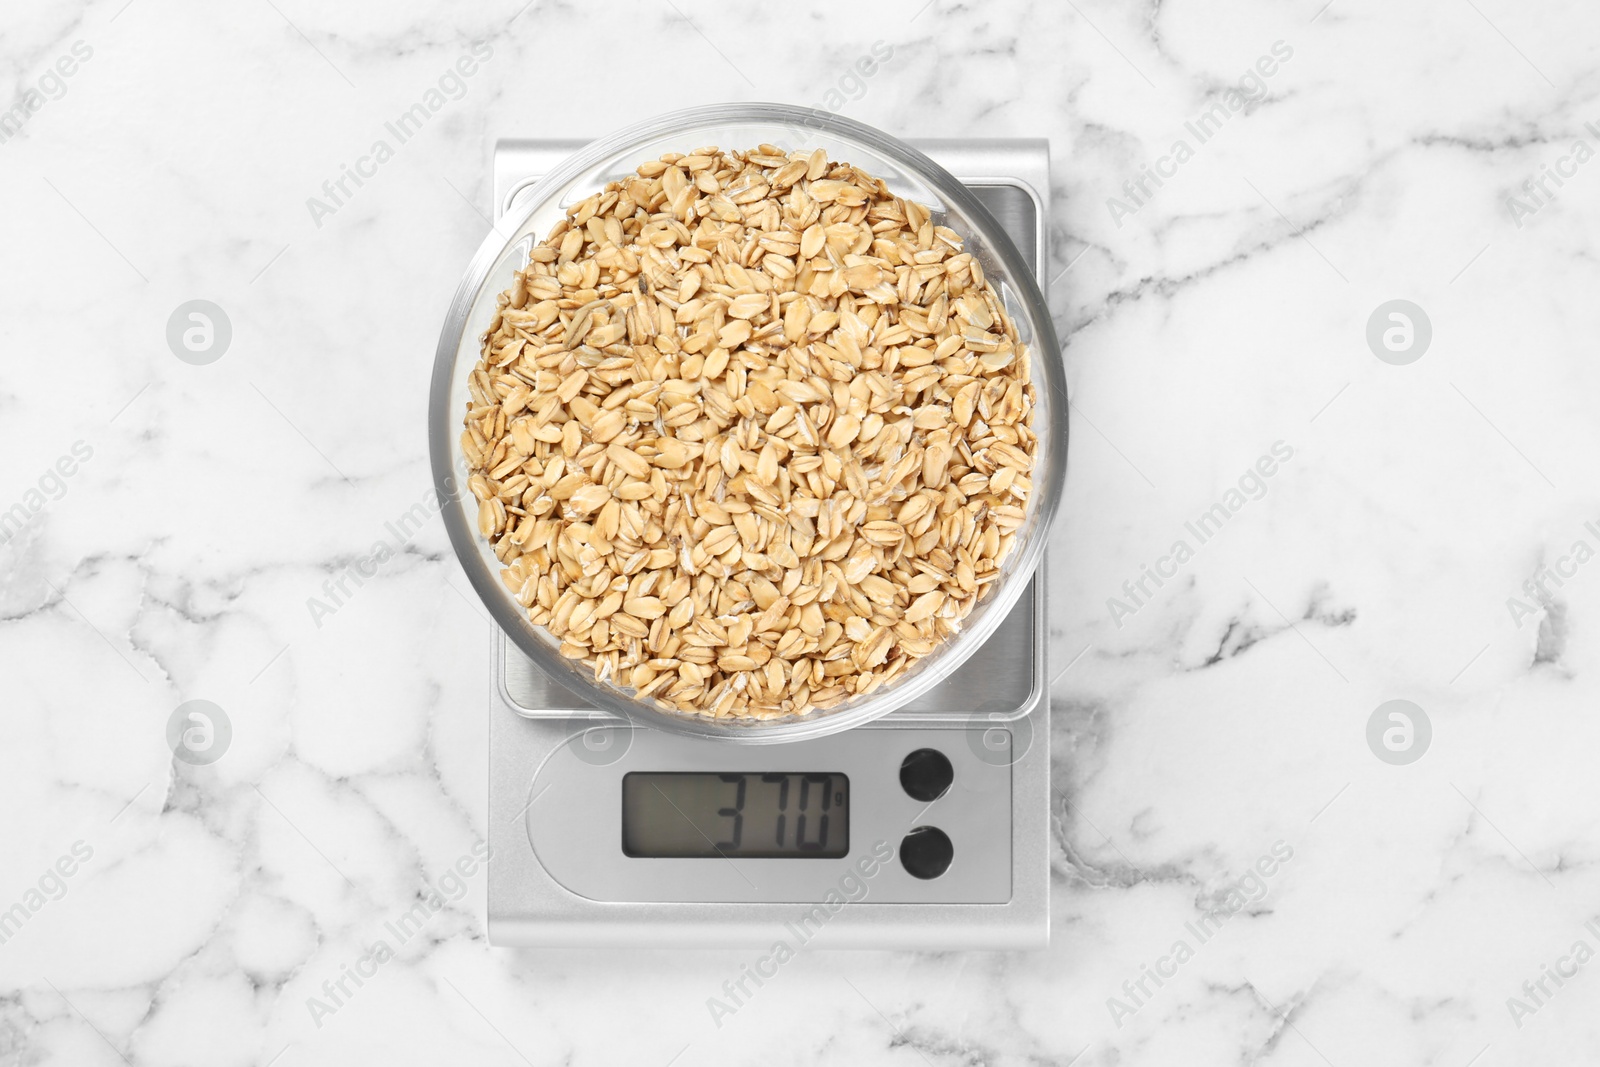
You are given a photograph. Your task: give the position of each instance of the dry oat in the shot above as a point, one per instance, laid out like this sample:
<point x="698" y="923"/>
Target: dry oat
<point x="750" y="434"/>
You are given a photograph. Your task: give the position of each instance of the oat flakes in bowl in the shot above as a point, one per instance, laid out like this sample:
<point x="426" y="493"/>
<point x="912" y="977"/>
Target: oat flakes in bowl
<point x="750" y="434"/>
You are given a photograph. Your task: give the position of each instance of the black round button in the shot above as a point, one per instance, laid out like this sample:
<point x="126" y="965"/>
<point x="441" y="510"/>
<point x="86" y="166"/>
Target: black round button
<point x="926" y="852"/>
<point x="926" y="774"/>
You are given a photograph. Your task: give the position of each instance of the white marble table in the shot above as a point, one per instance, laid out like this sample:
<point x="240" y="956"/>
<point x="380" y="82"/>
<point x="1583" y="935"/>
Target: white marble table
<point x="170" y="530"/>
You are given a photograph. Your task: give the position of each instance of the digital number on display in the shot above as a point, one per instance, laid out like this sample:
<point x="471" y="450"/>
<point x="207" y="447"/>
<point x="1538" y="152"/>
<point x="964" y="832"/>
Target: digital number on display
<point x="667" y="814"/>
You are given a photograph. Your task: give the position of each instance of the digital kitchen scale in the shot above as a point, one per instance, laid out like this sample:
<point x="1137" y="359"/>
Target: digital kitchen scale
<point x="926" y="829"/>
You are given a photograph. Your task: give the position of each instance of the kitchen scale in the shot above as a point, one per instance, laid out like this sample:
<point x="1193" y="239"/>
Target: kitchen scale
<point x="925" y="829"/>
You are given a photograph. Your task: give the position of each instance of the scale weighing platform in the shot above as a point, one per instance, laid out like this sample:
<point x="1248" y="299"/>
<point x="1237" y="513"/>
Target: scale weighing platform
<point x="926" y="829"/>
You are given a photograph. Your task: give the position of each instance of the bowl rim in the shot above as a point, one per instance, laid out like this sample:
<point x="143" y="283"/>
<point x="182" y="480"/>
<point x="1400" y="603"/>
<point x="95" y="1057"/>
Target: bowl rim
<point x="444" y="423"/>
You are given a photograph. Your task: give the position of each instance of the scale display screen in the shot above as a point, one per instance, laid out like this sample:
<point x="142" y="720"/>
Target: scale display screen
<point x="755" y="815"/>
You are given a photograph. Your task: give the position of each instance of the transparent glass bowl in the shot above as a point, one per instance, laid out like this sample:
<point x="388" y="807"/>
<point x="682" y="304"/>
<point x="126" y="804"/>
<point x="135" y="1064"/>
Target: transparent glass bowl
<point x="908" y="173"/>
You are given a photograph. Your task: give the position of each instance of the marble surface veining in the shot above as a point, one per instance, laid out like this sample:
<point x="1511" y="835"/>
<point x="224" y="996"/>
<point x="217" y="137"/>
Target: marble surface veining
<point x="1238" y="190"/>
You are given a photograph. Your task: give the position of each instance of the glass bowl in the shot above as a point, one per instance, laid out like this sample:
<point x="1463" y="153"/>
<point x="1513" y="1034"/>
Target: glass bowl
<point x="909" y="174"/>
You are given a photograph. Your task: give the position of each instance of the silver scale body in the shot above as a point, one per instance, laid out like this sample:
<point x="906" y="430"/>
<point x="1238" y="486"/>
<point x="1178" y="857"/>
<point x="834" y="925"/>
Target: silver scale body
<point x="559" y="876"/>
